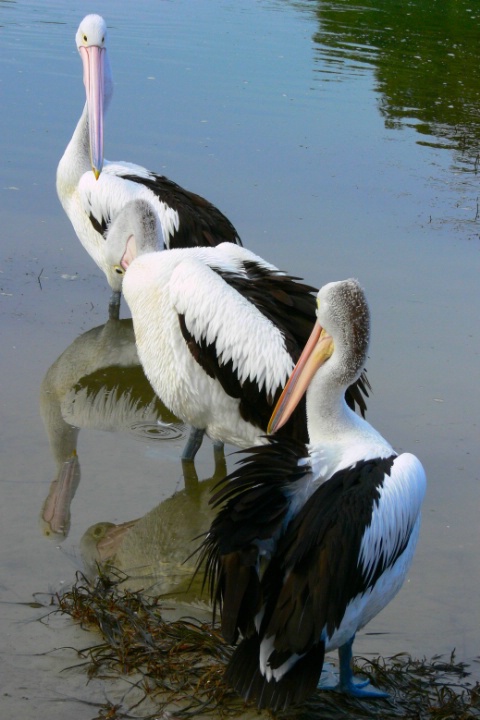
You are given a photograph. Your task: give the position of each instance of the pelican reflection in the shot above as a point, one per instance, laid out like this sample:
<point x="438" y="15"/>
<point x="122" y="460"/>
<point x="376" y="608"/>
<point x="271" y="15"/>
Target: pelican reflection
<point x="155" y="552"/>
<point x="96" y="383"/>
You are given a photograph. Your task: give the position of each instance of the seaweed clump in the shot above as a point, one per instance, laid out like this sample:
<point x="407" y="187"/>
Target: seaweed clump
<point x="178" y="666"/>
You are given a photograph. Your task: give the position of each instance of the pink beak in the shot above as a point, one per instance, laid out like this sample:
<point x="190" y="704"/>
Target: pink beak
<point x="93" y="79"/>
<point x="318" y="349"/>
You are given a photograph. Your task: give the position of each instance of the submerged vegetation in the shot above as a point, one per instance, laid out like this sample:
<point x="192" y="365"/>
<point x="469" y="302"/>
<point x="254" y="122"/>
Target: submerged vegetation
<point x="176" y="667"/>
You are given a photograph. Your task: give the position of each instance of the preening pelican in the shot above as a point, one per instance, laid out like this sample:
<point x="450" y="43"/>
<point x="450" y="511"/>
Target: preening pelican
<point x="218" y="330"/>
<point x="92" y="191"/>
<point x="311" y="542"/>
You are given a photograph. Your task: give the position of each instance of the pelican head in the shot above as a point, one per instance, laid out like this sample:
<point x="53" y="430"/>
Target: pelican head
<point x="134" y="231"/>
<point x="340" y="335"/>
<point x="91" y="39"/>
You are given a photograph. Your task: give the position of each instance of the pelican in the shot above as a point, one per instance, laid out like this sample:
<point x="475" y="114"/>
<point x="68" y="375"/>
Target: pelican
<point x="92" y="191"/>
<point x="218" y="330"/>
<point x="312" y="541"/>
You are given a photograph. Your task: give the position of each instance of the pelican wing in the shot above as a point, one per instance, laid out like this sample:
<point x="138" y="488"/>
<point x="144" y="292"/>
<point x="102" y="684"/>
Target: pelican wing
<point x="350" y="531"/>
<point x="230" y="336"/>
<point x="319" y="566"/>
<point x="188" y="220"/>
<point x="200" y="222"/>
<point x="291" y="305"/>
<point x="102" y="199"/>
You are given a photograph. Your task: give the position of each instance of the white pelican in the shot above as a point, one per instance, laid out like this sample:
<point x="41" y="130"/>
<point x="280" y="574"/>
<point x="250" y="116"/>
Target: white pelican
<point x="311" y="542"/>
<point x="218" y="330"/>
<point x="92" y="192"/>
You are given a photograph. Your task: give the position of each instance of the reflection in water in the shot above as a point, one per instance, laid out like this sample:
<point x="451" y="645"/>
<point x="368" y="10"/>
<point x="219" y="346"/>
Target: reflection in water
<point x="155" y="551"/>
<point x="425" y="61"/>
<point x="97" y="382"/>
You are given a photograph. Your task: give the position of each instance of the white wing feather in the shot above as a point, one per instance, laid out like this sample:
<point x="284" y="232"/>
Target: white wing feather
<point x="395" y="515"/>
<point x="106" y="197"/>
<point x="240" y="333"/>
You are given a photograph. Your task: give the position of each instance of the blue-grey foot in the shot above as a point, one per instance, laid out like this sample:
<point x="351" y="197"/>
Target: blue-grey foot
<point x="114" y="305"/>
<point x="347" y="683"/>
<point x="193" y="444"/>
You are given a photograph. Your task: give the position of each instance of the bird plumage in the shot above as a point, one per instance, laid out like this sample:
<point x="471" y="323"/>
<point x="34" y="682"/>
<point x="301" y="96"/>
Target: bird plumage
<point x="211" y="355"/>
<point x="218" y="330"/>
<point x="311" y="541"/>
<point x="93" y="191"/>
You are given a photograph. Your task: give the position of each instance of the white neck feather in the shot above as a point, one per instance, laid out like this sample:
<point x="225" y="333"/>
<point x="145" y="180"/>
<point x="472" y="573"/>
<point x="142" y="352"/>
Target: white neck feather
<point x="343" y="312"/>
<point x="76" y="158"/>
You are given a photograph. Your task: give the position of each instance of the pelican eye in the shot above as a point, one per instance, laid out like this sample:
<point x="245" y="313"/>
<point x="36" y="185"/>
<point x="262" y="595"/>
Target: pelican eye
<point x="118" y="269"/>
<point x="85" y="38"/>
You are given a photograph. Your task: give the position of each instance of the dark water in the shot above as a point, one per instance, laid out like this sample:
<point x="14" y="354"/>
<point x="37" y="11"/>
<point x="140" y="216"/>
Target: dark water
<point x="341" y="139"/>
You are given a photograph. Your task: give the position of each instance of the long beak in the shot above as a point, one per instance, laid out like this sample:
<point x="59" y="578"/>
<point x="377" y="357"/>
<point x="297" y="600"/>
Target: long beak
<point x="318" y="349"/>
<point x="93" y="59"/>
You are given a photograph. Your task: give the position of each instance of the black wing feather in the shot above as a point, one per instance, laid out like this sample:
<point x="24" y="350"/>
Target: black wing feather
<point x="290" y="305"/>
<point x="320" y="549"/>
<point x="254" y="504"/>
<point x="201" y="223"/>
<point x="100" y="226"/>
<point x="243" y="674"/>
<point x="312" y="575"/>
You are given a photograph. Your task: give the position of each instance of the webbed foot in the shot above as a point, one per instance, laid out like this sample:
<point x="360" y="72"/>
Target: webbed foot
<point x="346" y="683"/>
<point x="361" y="689"/>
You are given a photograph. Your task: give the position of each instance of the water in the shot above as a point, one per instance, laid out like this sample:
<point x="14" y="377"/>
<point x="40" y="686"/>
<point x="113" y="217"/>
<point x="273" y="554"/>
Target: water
<point x="340" y="140"/>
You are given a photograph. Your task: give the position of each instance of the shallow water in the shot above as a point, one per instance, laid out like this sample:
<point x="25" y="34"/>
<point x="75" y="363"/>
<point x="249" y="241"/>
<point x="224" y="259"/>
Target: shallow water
<point x="340" y="140"/>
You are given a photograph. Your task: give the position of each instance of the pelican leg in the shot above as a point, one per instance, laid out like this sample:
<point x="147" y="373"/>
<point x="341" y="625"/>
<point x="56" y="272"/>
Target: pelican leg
<point x="190" y="477"/>
<point x="346" y="683"/>
<point x="193" y="444"/>
<point x="219" y="458"/>
<point x="114" y="305"/>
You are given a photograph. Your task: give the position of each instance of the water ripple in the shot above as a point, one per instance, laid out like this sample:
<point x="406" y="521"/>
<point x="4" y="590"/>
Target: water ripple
<point x="148" y="431"/>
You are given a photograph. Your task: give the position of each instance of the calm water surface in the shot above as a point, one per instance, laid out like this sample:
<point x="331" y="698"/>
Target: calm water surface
<point x="341" y="140"/>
